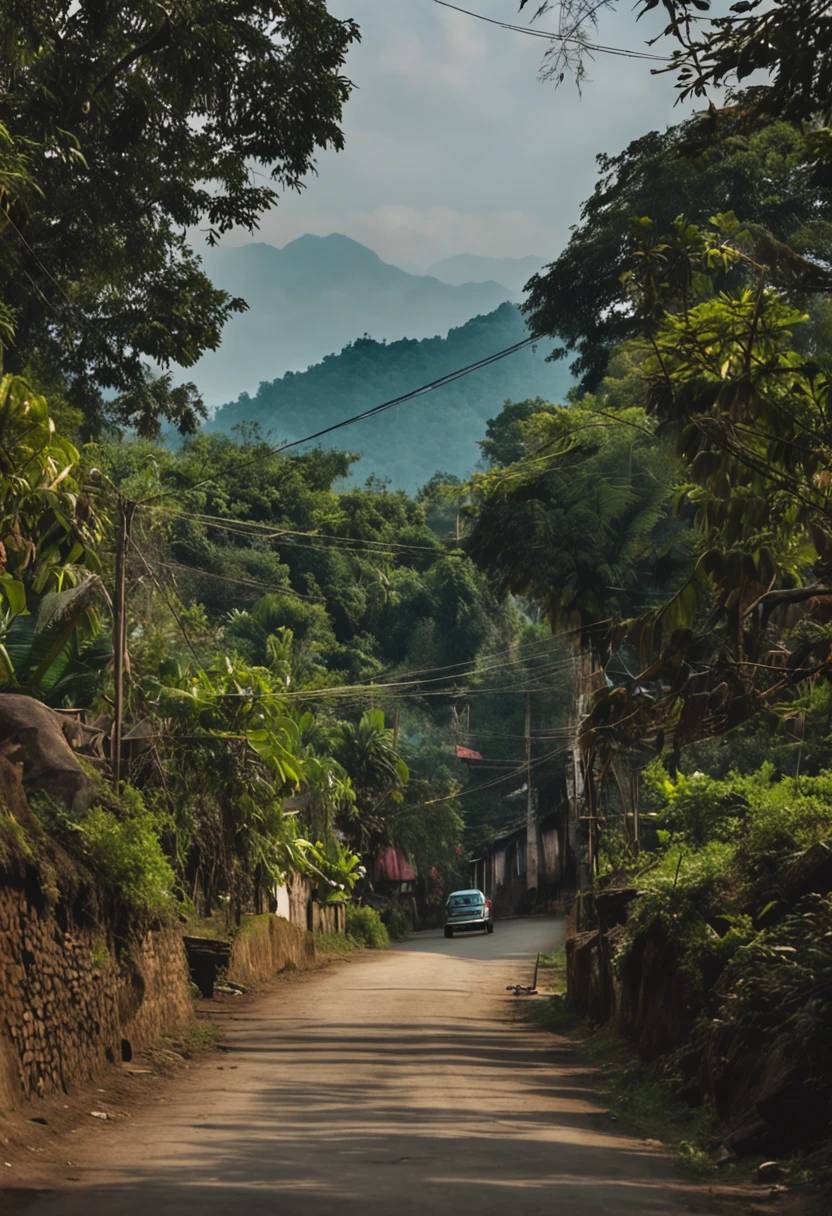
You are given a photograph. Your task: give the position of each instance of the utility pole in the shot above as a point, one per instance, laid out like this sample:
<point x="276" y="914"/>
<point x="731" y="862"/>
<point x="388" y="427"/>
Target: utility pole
<point x="531" y="821"/>
<point x="125" y="513"/>
<point x="636" y="792"/>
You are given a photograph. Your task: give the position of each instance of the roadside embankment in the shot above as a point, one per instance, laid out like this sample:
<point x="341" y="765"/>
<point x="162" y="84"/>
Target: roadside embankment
<point x="73" y="996"/>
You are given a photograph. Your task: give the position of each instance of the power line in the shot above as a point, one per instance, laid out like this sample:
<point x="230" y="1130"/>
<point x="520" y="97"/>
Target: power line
<point x="547" y="36"/>
<point x="346" y="544"/>
<point x="484" y="785"/>
<point x="275" y="588"/>
<point x="440" y="382"/>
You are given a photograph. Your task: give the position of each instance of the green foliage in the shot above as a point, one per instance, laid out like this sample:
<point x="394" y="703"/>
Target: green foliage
<point x="337" y="871"/>
<point x="438" y="431"/>
<point x="573" y="525"/>
<point x="718" y="869"/>
<point x="49" y="528"/>
<point x="126" y="855"/>
<point x="785" y="43"/>
<point x="398" y="923"/>
<point x="366" y="750"/>
<point x="583" y="299"/>
<point x="100" y="956"/>
<point x="139" y="124"/>
<point x="14" y="843"/>
<point x="231" y="755"/>
<point x="365" y="926"/>
<point x="334" y="945"/>
<point x="55" y="652"/>
<point x="118" y="840"/>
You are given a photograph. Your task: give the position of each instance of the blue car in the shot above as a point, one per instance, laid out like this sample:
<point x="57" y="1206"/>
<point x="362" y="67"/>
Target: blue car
<point x="467" y="910"/>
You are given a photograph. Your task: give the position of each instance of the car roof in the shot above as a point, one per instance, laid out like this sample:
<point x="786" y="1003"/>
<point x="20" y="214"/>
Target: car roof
<point x="466" y="891"/>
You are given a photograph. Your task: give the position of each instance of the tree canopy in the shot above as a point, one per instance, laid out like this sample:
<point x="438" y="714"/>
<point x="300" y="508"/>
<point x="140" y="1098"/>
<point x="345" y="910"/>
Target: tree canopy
<point x="790" y="41"/>
<point x="138" y="124"/>
<point x="584" y="298"/>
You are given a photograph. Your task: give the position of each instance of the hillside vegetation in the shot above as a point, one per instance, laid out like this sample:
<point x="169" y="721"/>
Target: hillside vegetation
<point x="439" y="431"/>
<point x="315" y="295"/>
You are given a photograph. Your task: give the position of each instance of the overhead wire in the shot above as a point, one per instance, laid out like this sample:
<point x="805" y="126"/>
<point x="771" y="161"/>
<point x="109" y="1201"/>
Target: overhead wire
<point x="275" y="532"/>
<point x="286" y="538"/>
<point x="275" y="588"/>
<point x="549" y="36"/>
<point x="484" y="785"/>
<point x="440" y="382"/>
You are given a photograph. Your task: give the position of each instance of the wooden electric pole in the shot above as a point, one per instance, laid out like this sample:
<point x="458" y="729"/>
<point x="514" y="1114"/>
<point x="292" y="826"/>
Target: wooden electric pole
<point x="531" y="821"/>
<point x="125" y="519"/>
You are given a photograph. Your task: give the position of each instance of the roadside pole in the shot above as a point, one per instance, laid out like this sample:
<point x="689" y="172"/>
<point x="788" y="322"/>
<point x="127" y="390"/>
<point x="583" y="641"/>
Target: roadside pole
<point x="125" y="510"/>
<point x="531" y="820"/>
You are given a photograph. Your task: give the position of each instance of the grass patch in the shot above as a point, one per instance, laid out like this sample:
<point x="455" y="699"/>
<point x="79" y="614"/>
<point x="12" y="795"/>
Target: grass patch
<point x="647" y="1106"/>
<point x="219" y="927"/>
<point x="202" y="1035"/>
<point x="334" y="945"/>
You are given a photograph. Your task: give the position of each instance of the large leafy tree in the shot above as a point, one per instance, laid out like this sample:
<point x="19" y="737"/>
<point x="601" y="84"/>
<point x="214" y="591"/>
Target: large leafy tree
<point x="746" y="632"/>
<point x="584" y="297"/>
<point x="573" y="524"/>
<point x="141" y="122"/>
<point x="789" y="41"/>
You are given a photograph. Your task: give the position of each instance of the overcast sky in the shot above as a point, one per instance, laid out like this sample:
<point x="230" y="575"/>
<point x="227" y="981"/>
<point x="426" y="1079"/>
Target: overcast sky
<point x="454" y="146"/>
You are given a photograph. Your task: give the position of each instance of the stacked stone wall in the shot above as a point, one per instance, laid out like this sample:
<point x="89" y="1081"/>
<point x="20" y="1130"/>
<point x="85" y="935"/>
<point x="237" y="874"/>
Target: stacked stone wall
<point x="67" y="1004"/>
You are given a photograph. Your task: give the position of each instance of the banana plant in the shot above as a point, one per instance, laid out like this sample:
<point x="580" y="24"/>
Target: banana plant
<point x="56" y="651"/>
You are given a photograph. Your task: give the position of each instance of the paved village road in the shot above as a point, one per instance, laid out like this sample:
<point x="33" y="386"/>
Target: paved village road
<point x="387" y="1086"/>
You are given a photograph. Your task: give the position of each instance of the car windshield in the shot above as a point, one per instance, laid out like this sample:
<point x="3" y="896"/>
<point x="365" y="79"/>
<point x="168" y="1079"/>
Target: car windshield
<point x="469" y="900"/>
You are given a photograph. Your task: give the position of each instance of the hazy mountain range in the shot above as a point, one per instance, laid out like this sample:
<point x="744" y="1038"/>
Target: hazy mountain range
<point x="437" y="431"/>
<point x="314" y="296"/>
<point x="513" y="273"/>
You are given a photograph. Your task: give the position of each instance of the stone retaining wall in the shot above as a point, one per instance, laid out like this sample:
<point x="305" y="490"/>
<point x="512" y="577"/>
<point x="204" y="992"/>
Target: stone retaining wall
<point x="66" y="1004"/>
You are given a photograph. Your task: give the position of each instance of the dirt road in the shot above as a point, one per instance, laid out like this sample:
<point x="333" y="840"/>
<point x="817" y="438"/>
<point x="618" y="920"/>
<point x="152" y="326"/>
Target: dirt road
<point x="387" y="1086"/>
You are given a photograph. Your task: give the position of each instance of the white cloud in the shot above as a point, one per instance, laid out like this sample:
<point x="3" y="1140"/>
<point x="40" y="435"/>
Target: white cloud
<point x="452" y="144"/>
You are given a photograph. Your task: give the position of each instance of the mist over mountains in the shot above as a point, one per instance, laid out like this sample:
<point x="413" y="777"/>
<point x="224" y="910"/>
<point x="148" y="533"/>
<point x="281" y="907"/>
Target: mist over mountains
<point x="314" y="296"/>
<point x="408" y="444"/>
<point x="513" y="273"/>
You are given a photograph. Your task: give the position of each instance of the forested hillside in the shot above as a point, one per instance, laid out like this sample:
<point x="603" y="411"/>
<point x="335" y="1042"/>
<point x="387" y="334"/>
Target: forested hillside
<point x="438" y="431"/>
<point x="312" y="297"/>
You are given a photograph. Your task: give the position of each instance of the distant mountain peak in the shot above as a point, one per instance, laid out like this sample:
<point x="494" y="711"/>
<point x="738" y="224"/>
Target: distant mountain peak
<point x="315" y="295"/>
<point x="310" y="242"/>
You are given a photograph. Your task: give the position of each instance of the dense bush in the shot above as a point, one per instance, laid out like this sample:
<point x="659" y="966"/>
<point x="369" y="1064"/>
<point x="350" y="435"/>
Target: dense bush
<point x="118" y="841"/>
<point x="749" y="934"/>
<point x="366" y="927"/>
<point x="723" y="847"/>
<point x="126" y="855"/>
<point x="398" y="923"/>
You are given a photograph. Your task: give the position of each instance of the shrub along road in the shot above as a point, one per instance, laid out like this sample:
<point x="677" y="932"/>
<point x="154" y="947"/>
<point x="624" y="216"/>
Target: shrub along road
<point x="398" y="1083"/>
